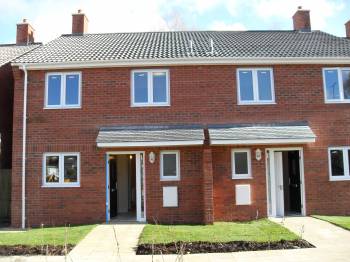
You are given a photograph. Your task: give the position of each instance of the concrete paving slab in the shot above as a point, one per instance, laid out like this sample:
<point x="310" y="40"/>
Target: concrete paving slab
<point x="332" y="245"/>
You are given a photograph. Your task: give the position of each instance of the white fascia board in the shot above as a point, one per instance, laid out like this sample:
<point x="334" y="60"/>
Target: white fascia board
<point x="263" y="141"/>
<point x="151" y="144"/>
<point x="185" y="61"/>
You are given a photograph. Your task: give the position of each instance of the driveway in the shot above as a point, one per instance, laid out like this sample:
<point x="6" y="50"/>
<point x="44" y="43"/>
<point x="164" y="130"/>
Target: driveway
<point x="117" y="243"/>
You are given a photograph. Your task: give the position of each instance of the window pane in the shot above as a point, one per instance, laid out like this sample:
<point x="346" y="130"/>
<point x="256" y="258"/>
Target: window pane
<point x="140" y="87"/>
<point x="70" y="169"/>
<point x="264" y="85"/>
<point x="52" y="169"/>
<point x="346" y="83"/>
<point x="337" y="162"/>
<point x="332" y="84"/>
<point x="169" y="165"/>
<point x="241" y="163"/>
<point x="54" y="90"/>
<point x="246" y="85"/>
<point x="159" y="87"/>
<point x="72" y="90"/>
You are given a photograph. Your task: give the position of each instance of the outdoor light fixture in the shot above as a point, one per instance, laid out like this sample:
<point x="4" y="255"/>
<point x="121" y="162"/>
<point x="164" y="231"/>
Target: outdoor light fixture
<point x="151" y="157"/>
<point x="258" y="154"/>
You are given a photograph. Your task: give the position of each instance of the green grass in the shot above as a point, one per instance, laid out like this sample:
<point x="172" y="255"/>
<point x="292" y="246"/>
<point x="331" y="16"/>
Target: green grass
<point x="342" y="221"/>
<point x="260" y="231"/>
<point x="46" y="236"/>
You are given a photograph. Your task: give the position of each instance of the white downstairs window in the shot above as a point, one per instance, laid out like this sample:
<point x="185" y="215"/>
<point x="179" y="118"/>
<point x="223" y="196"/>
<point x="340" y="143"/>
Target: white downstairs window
<point x="170" y="165"/>
<point x="61" y="170"/>
<point x="241" y="164"/>
<point x="336" y="82"/>
<point x="150" y="88"/>
<point x="63" y="90"/>
<point x="255" y="86"/>
<point x="339" y="158"/>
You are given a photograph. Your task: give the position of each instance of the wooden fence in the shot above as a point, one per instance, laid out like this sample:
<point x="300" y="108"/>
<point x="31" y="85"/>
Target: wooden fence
<point x="5" y="195"/>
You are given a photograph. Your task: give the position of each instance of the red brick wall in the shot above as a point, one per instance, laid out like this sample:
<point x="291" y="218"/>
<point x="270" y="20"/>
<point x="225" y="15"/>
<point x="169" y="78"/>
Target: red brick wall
<point x="225" y="208"/>
<point x="190" y="206"/>
<point x="199" y="94"/>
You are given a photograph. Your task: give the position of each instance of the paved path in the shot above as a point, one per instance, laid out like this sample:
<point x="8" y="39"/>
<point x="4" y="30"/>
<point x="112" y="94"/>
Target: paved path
<point x="333" y="244"/>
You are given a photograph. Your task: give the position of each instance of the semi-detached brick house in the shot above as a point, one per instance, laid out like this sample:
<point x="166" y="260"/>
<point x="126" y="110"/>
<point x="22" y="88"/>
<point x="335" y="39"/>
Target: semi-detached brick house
<point x="8" y="52"/>
<point x="182" y="127"/>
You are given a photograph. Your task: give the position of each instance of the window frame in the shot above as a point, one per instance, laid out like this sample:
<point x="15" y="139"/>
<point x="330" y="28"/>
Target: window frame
<point x="62" y="104"/>
<point x="256" y="100"/>
<point x="150" y="102"/>
<point x="341" y="86"/>
<point x="249" y="163"/>
<point x="170" y="178"/>
<point x="346" y="176"/>
<point x="61" y="182"/>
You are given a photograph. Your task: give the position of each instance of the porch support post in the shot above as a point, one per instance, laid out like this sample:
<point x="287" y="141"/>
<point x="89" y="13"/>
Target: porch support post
<point x="208" y="202"/>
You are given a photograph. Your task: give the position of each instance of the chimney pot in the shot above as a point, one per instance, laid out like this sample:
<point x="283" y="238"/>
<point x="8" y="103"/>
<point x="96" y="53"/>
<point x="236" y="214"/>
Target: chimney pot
<point x="25" y="33"/>
<point x="79" y="23"/>
<point x="347" y="29"/>
<point x="301" y="20"/>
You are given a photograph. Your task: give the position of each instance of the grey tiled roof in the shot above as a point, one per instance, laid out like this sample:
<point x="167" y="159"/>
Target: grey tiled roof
<point x="127" y="134"/>
<point x="172" y="45"/>
<point x="10" y="52"/>
<point x="291" y="131"/>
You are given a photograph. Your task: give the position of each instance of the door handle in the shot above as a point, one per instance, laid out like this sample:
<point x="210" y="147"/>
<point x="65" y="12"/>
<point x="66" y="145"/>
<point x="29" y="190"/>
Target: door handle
<point x="281" y="187"/>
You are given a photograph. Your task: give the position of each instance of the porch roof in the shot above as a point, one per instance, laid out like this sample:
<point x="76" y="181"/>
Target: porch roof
<point x="257" y="134"/>
<point x="139" y="136"/>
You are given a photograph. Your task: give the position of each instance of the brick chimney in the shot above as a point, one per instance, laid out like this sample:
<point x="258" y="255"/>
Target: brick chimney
<point x="25" y="33"/>
<point x="301" y="20"/>
<point x="347" y="29"/>
<point x="79" y="23"/>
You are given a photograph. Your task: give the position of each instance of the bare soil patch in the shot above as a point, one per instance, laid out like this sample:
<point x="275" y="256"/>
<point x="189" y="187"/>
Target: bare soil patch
<point x="208" y="247"/>
<point x="22" y="250"/>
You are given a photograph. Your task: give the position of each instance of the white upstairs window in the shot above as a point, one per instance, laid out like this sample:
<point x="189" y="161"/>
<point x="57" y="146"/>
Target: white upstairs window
<point x="63" y="90"/>
<point x="336" y="84"/>
<point x="255" y="86"/>
<point x="150" y="88"/>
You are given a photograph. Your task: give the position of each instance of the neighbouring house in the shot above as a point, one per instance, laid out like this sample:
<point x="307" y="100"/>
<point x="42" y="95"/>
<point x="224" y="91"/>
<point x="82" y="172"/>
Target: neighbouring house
<point x="24" y="43"/>
<point x="182" y="127"/>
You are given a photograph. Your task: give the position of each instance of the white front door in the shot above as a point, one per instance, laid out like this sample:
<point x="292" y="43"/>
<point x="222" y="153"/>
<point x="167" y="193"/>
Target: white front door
<point x="140" y="184"/>
<point x="278" y="177"/>
<point x="140" y="187"/>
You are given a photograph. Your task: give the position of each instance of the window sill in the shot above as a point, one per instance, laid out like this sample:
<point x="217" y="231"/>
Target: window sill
<point x="150" y="105"/>
<point x="241" y="177"/>
<point x="60" y="186"/>
<point x="255" y="103"/>
<point x="337" y="102"/>
<point x="61" y="107"/>
<point x="339" y="179"/>
<point x="163" y="179"/>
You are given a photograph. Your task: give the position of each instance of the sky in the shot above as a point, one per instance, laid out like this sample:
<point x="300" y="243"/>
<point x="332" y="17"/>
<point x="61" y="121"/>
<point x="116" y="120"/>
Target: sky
<point x="51" y="18"/>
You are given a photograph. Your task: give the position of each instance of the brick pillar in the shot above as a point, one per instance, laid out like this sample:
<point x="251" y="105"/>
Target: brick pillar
<point x="208" y="202"/>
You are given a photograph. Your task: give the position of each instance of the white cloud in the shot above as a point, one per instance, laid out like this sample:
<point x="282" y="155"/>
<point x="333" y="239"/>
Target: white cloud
<point x="321" y="10"/>
<point x="52" y="18"/>
<point x="222" y="26"/>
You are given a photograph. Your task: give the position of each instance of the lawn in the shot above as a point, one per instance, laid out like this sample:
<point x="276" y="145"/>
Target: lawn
<point x="262" y="230"/>
<point x="342" y="221"/>
<point x="46" y="236"/>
